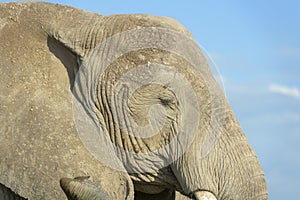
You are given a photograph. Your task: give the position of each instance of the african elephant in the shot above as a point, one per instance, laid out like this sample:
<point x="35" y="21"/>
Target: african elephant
<point x="126" y="103"/>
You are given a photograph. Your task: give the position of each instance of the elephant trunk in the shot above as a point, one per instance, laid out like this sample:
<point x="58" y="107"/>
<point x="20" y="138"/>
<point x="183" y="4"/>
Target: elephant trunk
<point x="241" y="176"/>
<point x="256" y="188"/>
<point x="81" y="188"/>
<point x="230" y="170"/>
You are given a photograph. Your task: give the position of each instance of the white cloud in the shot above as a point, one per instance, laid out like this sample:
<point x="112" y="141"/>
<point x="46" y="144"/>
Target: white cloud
<point x="288" y="91"/>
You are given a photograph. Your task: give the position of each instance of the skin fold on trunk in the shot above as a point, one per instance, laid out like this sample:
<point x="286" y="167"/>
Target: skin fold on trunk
<point x="89" y="190"/>
<point x="230" y="171"/>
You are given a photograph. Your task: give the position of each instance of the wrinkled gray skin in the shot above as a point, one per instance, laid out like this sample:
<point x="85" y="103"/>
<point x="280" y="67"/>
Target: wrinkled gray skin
<point x="40" y="44"/>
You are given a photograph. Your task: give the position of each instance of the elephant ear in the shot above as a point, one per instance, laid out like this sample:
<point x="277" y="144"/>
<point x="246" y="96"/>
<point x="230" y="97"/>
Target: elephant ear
<point x="82" y="188"/>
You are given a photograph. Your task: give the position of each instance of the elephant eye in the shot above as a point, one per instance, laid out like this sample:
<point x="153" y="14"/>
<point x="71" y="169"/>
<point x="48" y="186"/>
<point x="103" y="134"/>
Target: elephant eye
<point x="166" y="101"/>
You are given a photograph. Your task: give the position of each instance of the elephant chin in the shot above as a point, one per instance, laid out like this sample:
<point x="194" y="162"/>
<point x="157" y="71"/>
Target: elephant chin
<point x="204" y="195"/>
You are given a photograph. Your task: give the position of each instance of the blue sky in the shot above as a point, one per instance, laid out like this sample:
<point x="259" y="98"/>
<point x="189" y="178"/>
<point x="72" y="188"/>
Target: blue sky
<point x="256" y="47"/>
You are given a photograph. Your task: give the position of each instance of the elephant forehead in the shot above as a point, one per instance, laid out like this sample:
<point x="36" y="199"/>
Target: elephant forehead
<point x="127" y="22"/>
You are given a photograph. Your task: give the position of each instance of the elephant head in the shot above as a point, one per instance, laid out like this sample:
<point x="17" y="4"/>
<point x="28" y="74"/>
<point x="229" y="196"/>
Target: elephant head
<point x="162" y="112"/>
<point x="146" y="103"/>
